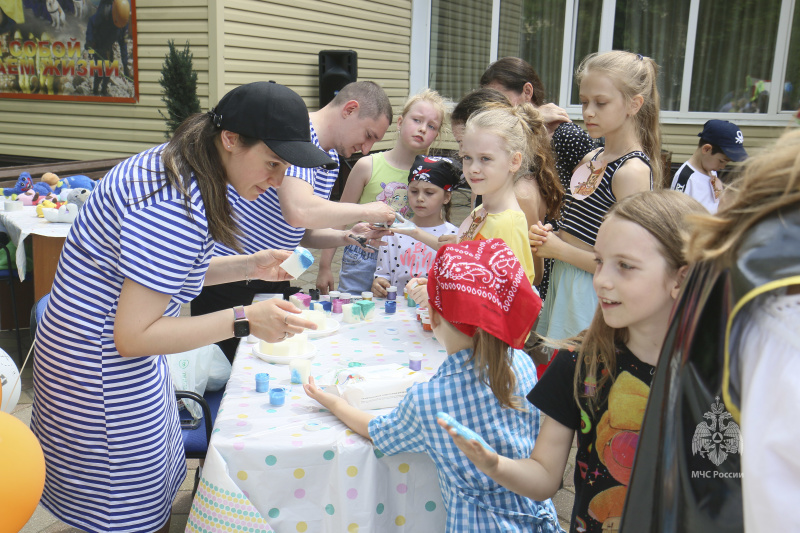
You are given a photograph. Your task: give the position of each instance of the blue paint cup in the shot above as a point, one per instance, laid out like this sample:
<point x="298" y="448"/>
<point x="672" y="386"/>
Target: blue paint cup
<point x="390" y="307"/>
<point x="277" y="396"/>
<point x="262" y="382"/>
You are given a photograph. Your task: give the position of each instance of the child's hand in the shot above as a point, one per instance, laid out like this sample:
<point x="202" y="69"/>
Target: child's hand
<point x="315" y="393"/>
<point x="538" y="235"/>
<point x="418" y="291"/>
<point x="485" y="460"/>
<point x="379" y="286"/>
<point x="450" y="238"/>
<point x="411" y="232"/>
<point x="325" y="282"/>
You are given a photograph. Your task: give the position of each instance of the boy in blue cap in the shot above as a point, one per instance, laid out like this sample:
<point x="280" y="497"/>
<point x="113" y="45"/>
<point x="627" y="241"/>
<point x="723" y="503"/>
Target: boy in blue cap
<point x="720" y="143"/>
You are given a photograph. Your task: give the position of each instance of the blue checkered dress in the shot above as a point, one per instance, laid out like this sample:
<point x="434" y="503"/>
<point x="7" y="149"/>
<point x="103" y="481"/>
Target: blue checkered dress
<point x="474" y="501"/>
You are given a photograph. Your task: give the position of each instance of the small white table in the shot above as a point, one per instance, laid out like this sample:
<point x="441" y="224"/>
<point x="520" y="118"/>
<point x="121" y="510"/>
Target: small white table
<point x="268" y="471"/>
<point x="48" y="239"/>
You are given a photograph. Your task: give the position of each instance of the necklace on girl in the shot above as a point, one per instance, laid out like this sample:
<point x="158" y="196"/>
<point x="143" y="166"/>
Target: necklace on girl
<point x="478" y="218"/>
<point x="586" y="179"/>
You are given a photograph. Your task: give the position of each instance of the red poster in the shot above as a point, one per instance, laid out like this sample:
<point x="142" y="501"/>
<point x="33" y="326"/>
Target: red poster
<point x="81" y="50"/>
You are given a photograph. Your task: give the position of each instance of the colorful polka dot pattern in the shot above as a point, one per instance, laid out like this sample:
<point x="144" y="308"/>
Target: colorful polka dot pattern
<point x="220" y="511"/>
<point x="302" y="468"/>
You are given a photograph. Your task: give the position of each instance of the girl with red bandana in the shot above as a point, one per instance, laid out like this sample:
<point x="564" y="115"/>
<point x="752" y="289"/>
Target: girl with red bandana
<point x="482" y="308"/>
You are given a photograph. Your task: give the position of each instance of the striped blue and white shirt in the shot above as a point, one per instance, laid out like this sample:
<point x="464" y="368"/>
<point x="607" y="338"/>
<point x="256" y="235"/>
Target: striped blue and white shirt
<point x="582" y="217"/>
<point x="108" y="425"/>
<point x="473" y="500"/>
<point x="261" y="220"/>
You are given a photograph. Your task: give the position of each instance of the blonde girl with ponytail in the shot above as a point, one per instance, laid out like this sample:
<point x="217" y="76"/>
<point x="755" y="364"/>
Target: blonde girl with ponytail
<point x="506" y="159"/>
<point x="621" y="104"/>
<point x="502" y="145"/>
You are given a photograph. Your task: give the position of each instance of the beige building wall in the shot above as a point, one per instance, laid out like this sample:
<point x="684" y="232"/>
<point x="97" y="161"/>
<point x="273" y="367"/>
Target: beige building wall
<point x="682" y="139"/>
<point x="93" y="130"/>
<point x="280" y="40"/>
<point x="240" y="41"/>
<point x="249" y="40"/>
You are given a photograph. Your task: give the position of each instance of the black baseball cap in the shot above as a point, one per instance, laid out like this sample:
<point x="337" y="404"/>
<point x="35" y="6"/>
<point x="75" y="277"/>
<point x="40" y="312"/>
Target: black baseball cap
<point x="275" y="114"/>
<point x="727" y="136"/>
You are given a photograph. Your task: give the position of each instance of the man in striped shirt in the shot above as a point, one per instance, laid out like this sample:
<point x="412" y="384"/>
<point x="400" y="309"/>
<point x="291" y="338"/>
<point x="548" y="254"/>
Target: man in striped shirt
<point x="300" y="210"/>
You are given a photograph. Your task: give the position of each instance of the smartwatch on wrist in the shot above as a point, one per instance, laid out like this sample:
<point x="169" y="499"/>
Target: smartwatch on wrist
<point x="241" y="326"/>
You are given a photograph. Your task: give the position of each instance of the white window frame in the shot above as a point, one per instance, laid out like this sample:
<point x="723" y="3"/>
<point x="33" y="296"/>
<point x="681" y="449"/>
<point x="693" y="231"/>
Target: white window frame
<point x="420" y="60"/>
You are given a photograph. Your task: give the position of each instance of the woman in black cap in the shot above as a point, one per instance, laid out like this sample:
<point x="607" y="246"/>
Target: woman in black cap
<point x="104" y="408"/>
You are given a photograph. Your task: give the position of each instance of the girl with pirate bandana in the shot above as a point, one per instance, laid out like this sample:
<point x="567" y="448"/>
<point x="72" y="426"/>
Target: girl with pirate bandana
<point x="430" y="185"/>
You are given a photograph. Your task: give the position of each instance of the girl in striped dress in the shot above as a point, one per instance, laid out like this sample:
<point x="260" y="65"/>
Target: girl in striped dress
<point x="621" y="103"/>
<point x="104" y="408"/>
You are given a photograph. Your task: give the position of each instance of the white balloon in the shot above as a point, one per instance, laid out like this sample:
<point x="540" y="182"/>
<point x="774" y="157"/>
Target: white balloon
<point x="9" y="376"/>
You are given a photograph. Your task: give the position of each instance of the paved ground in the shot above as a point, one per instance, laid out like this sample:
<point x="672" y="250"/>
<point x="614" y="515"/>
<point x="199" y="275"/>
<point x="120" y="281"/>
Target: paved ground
<point x="44" y="522"/>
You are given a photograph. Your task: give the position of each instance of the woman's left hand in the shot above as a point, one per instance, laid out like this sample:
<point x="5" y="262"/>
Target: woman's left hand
<point x="265" y="265"/>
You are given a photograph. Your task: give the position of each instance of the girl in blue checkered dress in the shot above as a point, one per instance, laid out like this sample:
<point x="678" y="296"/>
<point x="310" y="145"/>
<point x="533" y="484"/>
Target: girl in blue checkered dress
<point x="482" y="308"/>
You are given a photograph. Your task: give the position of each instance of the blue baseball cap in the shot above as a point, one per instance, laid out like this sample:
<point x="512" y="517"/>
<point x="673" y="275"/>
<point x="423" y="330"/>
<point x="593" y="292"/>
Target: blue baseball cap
<point x="727" y="136"/>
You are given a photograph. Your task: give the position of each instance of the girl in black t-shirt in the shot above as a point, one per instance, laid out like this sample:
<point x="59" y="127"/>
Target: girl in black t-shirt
<point x="600" y="384"/>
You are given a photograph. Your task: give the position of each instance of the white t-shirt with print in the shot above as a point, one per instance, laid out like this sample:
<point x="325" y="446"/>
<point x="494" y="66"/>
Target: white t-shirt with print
<point x="405" y="258"/>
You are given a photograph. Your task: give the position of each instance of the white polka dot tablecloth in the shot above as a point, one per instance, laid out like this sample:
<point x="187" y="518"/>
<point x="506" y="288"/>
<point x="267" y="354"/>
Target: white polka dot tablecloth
<point x="296" y="467"/>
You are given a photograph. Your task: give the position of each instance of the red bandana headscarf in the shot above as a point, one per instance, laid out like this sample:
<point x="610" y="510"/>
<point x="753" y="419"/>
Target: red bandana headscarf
<point x="482" y="284"/>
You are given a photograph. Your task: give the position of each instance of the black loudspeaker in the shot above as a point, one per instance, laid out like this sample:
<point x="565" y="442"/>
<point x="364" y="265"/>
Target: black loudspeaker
<point x="337" y="68"/>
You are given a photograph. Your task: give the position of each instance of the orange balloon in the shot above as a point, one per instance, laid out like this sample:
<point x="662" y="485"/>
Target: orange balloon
<point x="21" y="473"/>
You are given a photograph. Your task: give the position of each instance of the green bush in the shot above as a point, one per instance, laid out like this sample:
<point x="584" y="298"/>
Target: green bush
<point x="179" y="81"/>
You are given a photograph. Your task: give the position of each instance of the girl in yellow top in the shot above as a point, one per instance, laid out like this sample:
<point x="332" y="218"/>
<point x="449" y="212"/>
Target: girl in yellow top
<point x="500" y="145"/>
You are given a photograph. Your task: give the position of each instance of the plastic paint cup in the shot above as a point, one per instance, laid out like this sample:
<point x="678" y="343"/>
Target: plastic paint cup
<point x="345" y="298"/>
<point x="277" y="396"/>
<point x="366" y="295"/>
<point x="411" y="302"/>
<point x="391" y="293"/>
<point x="426" y="324"/>
<point x="415" y="361"/>
<point x="390" y="307"/>
<point x="262" y="382"/>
